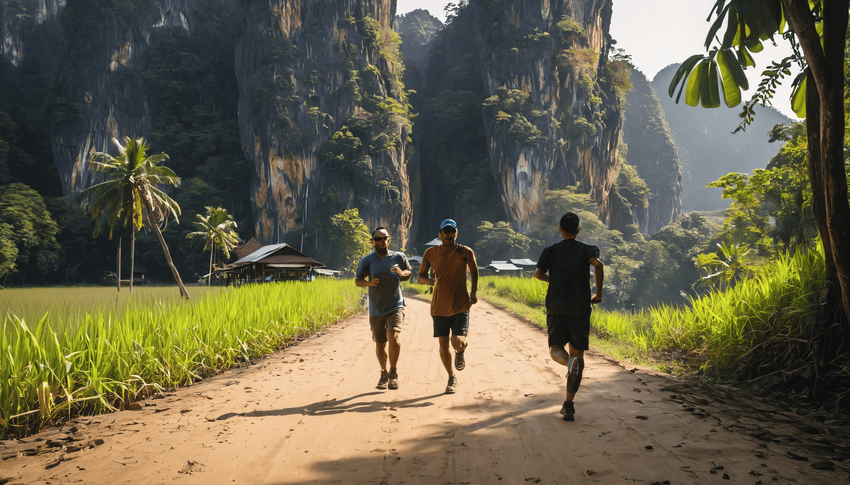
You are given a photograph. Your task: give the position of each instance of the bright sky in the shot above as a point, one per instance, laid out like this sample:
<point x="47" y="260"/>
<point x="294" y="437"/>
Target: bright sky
<point x="657" y="33"/>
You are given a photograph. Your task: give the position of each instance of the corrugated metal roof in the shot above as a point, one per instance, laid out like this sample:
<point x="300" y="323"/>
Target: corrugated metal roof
<point x="503" y="267"/>
<point x="329" y="272"/>
<point x="498" y="262"/>
<point x="523" y="262"/>
<point x="277" y="254"/>
<point x="261" y="253"/>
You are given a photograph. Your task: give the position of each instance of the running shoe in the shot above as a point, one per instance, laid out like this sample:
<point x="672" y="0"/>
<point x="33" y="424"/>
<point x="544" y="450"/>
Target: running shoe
<point x="568" y="411"/>
<point x="460" y="363"/>
<point x="450" y="389"/>
<point x="393" y="382"/>
<point x="575" y="366"/>
<point x="382" y="383"/>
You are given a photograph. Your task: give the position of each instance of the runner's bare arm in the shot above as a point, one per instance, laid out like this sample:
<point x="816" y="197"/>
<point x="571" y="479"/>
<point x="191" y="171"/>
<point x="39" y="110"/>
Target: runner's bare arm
<point x="423" y="278"/>
<point x="473" y="275"/>
<point x="403" y="274"/>
<point x="362" y="282"/>
<point x="540" y="275"/>
<point x="599" y="276"/>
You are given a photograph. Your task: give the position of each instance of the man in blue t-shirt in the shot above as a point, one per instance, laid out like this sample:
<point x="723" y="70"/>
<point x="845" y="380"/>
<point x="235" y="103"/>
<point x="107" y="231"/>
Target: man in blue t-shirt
<point x="381" y="271"/>
<point x="568" y="301"/>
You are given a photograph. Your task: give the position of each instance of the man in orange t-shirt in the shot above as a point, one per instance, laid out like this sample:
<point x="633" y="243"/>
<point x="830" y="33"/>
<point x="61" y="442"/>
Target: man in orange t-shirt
<point x="451" y="302"/>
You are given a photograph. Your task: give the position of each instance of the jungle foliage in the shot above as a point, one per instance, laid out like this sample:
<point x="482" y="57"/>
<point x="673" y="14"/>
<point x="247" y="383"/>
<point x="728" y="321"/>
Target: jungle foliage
<point x="666" y="258"/>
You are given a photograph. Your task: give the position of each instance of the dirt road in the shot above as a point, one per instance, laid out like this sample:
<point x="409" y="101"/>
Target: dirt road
<point x="311" y="414"/>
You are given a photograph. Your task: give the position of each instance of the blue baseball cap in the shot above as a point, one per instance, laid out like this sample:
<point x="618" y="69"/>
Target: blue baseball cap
<point x="448" y="223"/>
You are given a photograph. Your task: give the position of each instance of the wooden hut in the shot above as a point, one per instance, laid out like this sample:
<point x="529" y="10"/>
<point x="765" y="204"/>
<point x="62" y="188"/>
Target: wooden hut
<point x="275" y="262"/>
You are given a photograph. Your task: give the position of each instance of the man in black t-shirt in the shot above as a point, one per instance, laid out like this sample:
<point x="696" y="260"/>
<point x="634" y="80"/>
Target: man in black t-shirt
<point x="566" y="267"/>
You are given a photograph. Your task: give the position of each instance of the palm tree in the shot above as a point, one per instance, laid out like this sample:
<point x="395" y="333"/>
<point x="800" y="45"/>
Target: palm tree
<point x="727" y="270"/>
<point x="217" y="228"/>
<point x="129" y="193"/>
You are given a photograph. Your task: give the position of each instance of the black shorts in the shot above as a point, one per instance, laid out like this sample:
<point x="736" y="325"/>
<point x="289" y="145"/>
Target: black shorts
<point x="457" y="323"/>
<point x="572" y="329"/>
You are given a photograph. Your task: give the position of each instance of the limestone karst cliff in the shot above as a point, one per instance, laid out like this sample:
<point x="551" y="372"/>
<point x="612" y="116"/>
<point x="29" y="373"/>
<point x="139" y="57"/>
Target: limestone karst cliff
<point x="652" y="151"/>
<point x="22" y="23"/>
<point x="324" y="115"/>
<point x="100" y="92"/>
<point x="521" y="93"/>
<point x="517" y="97"/>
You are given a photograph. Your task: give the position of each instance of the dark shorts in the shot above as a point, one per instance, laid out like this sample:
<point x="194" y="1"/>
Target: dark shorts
<point x="391" y="322"/>
<point x="572" y="329"/>
<point x="458" y="324"/>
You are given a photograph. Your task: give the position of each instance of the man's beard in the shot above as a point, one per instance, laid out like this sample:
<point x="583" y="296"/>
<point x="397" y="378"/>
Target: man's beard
<point x="382" y="252"/>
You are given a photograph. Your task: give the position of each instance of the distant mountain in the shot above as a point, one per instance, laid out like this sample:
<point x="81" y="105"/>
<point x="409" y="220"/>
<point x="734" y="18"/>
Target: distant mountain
<point x="708" y="149"/>
<point x="417" y="30"/>
<point x="652" y="151"/>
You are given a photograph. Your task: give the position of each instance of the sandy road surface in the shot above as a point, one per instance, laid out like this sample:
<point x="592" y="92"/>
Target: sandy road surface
<point x="311" y="414"/>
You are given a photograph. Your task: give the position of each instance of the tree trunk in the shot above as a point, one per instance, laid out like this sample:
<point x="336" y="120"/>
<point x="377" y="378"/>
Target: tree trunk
<point x="132" y="257"/>
<point x="832" y="143"/>
<point x="212" y="252"/>
<point x="825" y="126"/>
<point x="167" y="253"/>
<point x="119" y="264"/>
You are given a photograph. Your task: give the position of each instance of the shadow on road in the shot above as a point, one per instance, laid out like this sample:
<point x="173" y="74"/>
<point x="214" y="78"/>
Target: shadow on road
<point x="336" y="406"/>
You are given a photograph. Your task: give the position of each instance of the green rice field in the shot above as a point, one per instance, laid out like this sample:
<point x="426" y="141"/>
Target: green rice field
<point x="71" y="351"/>
<point x="69" y="304"/>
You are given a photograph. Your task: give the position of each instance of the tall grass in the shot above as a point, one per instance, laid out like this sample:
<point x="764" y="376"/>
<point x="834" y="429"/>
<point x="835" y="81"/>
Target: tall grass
<point x="779" y="304"/>
<point x="50" y="371"/>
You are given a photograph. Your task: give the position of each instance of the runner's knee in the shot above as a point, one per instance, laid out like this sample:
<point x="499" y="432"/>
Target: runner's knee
<point x="459" y="342"/>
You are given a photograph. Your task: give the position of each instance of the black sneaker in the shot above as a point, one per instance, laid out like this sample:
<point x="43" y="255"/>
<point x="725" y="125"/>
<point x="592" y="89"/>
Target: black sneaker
<point x="382" y="383"/>
<point x="575" y="366"/>
<point x="450" y="389"/>
<point x="568" y="411"/>
<point x="393" y="382"/>
<point x="460" y="363"/>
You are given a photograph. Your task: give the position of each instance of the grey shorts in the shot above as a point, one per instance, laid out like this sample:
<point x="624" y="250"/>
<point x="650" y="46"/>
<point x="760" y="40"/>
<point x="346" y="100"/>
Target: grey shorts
<point x="390" y="322"/>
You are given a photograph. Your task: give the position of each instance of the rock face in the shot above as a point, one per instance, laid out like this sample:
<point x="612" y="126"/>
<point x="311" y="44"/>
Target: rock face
<point x="21" y="21"/>
<point x="99" y="91"/>
<point x="652" y="151"/>
<point x="323" y="113"/>
<point x="553" y="116"/>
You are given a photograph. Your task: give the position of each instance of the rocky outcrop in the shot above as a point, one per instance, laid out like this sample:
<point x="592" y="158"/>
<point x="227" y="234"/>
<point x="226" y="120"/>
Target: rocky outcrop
<point x="323" y="113"/>
<point x="23" y="20"/>
<point x="99" y="93"/>
<point x="417" y="30"/>
<point x="652" y="152"/>
<point x="553" y="117"/>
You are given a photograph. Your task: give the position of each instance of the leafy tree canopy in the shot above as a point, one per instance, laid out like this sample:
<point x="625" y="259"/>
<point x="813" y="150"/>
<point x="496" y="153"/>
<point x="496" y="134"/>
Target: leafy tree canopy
<point x="349" y="239"/>
<point x="499" y="241"/>
<point x="27" y="231"/>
